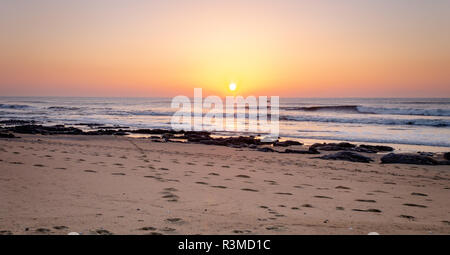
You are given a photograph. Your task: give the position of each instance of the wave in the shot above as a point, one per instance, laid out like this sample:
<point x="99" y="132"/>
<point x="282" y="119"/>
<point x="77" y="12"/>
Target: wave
<point x="63" y="108"/>
<point x="378" y="121"/>
<point x="350" y="108"/>
<point x="373" y="140"/>
<point x="404" y="111"/>
<point x="138" y="113"/>
<point x="371" y="110"/>
<point x="14" y="106"/>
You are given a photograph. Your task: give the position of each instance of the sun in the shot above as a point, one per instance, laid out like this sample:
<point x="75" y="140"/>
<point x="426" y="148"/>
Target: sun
<point x="232" y="86"/>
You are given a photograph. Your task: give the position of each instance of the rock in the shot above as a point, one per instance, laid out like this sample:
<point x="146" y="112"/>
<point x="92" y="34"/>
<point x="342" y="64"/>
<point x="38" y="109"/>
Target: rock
<point x="333" y="146"/>
<point x="113" y="127"/>
<point x="348" y="156"/>
<point x="106" y="132"/>
<point x="444" y="162"/>
<point x="424" y="153"/>
<point x="287" y="143"/>
<point x="351" y="147"/>
<point x="408" y="158"/>
<point x="373" y="148"/>
<point x="7" y="135"/>
<point x="17" y="122"/>
<point x="46" y="130"/>
<point x="167" y="136"/>
<point x="310" y="151"/>
<point x="266" y="149"/>
<point x="447" y="155"/>
<point x="156" y="131"/>
<point x="235" y="142"/>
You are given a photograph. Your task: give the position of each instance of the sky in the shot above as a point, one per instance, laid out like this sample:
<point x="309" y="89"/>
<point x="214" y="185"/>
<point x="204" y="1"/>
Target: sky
<point x="321" y="48"/>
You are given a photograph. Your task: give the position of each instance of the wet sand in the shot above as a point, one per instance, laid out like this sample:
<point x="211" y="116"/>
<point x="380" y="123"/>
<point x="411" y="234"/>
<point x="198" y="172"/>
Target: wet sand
<point x="120" y="185"/>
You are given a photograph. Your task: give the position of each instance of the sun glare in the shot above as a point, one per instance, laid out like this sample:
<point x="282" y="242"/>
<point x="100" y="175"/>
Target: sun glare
<point x="232" y="86"/>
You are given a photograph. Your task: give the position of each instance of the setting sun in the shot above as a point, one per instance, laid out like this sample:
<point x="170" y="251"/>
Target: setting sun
<point x="232" y="86"/>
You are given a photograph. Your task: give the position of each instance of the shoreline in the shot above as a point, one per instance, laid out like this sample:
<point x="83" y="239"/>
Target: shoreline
<point x="89" y="128"/>
<point x="57" y="184"/>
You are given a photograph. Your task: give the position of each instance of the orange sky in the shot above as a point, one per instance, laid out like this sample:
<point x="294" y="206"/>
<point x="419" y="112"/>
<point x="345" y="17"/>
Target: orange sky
<point x="288" y="48"/>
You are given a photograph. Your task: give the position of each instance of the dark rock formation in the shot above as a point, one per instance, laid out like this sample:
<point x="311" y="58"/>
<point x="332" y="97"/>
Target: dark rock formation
<point x="287" y="143"/>
<point x="17" y="122"/>
<point x="266" y="149"/>
<point x="333" y="146"/>
<point x="310" y="151"/>
<point x="351" y="147"/>
<point x="373" y="148"/>
<point x="106" y="132"/>
<point x="348" y="156"/>
<point x="7" y="135"/>
<point x="46" y="130"/>
<point x="156" y="131"/>
<point x="408" y="158"/>
<point x="447" y="155"/>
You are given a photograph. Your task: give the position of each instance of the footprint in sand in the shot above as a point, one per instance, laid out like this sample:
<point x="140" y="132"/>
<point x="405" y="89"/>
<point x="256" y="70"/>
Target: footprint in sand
<point x="103" y="232"/>
<point x="340" y="208"/>
<point x="167" y="229"/>
<point x="323" y="197"/>
<point x="242" y="176"/>
<point x="284" y="193"/>
<point x="219" y="187"/>
<point x="60" y="227"/>
<point x="379" y="191"/>
<point x="252" y="190"/>
<point x="90" y="171"/>
<point x="407" y="217"/>
<point x="242" y="231"/>
<point x="170" y="189"/>
<point x="366" y="200"/>
<point x="275" y="228"/>
<point x="368" y="210"/>
<point x="215" y="174"/>
<point x="307" y="206"/>
<point x="169" y="195"/>
<point x="43" y="230"/>
<point x="341" y="187"/>
<point x="38" y="165"/>
<point x="415" y="205"/>
<point x="5" y="232"/>
<point x="147" y="229"/>
<point x="270" y="182"/>
<point x="419" y="194"/>
<point x="203" y="183"/>
<point x="155" y="234"/>
<point x="118" y="174"/>
<point x="174" y="220"/>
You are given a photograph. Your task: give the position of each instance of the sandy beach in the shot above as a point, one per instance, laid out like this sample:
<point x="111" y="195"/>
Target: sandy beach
<point x="108" y="184"/>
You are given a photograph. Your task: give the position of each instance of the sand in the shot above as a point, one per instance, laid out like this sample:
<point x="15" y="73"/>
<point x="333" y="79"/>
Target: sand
<point x="122" y="185"/>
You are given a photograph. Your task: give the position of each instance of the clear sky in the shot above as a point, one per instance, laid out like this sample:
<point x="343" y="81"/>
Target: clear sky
<point x="320" y="48"/>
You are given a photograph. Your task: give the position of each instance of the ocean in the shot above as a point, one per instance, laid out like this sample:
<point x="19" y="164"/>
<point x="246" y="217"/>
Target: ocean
<point x="399" y="121"/>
